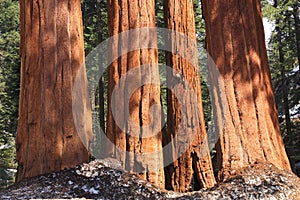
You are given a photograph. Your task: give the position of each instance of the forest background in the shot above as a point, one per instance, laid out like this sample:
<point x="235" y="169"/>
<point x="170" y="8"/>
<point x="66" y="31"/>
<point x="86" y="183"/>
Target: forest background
<point x="283" y="43"/>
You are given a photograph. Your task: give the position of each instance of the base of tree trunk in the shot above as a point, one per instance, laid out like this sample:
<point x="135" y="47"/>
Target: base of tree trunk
<point x="104" y="179"/>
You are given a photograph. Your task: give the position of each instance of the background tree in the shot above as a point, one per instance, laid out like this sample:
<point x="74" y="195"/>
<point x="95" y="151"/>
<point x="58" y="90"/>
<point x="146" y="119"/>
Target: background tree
<point x="95" y="32"/>
<point x="284" y="63"/>
<point x="196" y="161"/>
<point x="52" y="58"/>
<point x="9" y="87"/>
<point x="128" y="137"/>
<point x="244" y="105"/>
<point x="200" y="36"/>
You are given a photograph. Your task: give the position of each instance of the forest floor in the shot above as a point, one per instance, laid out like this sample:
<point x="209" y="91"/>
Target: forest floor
<point x="103" y="179"/>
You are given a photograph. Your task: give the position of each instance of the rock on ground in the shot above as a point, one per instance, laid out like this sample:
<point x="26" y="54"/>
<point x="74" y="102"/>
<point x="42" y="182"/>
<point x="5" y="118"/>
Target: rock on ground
<point x="104" y="179"/>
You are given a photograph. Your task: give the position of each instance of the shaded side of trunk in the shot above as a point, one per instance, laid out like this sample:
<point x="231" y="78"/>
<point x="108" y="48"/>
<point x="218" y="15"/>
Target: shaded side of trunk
<point x="185" y="115"/>
<point x="130" y="142"/>
<point x="244" y="106"/>
<point x="52" y="58"/>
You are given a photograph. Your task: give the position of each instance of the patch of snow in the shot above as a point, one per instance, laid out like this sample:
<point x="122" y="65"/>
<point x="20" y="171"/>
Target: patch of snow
<point x="6" y="146"/>
<point x="253" y="181"/>
<point x="10" y="171"/>
<point x="93" y="191"/>
<point x="268" y="26"/>
<point x="75" y="186"/>
<point x="172" y="195"/>
<point x="78" y="172"/>
<point x="70" y="182"/>
<point x="294" y="111"/>
<point x="5" y="197"/>
<point x="88" y="174"/>
<point x="85" y="188"/>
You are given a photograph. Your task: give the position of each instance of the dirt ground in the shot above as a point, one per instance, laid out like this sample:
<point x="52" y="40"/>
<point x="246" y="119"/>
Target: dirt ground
<point x="103" y="179"/>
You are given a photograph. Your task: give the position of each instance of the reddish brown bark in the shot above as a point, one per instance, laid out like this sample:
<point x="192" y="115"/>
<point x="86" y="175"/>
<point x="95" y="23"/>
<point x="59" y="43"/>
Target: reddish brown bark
<point x="245" y="110"/>
<point x="52" y="56"/>
<point x="179" y="17"/>
<point x="129" y="140"/>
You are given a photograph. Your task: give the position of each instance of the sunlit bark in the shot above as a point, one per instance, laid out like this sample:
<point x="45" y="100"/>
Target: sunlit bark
<point x="52" y="55"/>
<point x="245" y="110"/>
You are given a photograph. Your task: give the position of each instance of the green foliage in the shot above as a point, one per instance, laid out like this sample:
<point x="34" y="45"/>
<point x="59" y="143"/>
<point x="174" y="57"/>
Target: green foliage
<point x="201" y="35"/>
<point x="283" y="41"/>
<point x="95" y="22"/>
<point x="96" y="31"/>
<point x="159" y="13"/>
<point x="7" y="161"/>
<point x="9" y="87"/>
<point x="284" y="65"/>
<point x="200" y="25"/>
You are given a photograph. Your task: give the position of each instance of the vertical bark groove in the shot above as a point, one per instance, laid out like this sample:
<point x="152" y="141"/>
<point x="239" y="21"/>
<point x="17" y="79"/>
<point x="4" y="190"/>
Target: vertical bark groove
<point x="252" y="129"/>
<point x="52" y="56"/>
<point x="195" y="161"/>
<point x="130" y="142"/>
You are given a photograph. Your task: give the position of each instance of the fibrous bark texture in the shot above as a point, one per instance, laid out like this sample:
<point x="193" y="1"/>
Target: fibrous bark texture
<point x="139" y="149"/>
<point x="244" y="106"/>
<point x="52" y="55"/>
<point x="186" y="126"/>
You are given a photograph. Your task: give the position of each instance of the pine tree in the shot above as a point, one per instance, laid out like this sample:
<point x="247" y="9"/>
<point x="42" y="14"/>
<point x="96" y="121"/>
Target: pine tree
<point x="284" y="62"/>
<point x="9" y="88"/>
<point x="95" y="32"/>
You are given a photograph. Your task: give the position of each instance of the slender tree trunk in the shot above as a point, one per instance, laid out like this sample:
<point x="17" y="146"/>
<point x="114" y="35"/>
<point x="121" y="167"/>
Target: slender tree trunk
<point x="296" y="14"/>
<point x="99" y="140"/>
<point x="195" y="161"/>
<point x="244" y="105"/>
<point x="101" y="80"/>
<point x="285" y="90"/>
<point x="284" y="80"/>
<point x="52" y="57"/>
<point x="132" y="143"/>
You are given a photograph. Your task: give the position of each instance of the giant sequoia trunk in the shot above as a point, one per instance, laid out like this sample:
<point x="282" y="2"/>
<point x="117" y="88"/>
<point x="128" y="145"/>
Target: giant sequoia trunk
<point x="186" y="126"/>
<point x="244" y="105"/>
<point x="138" y="147"/>
<point x="52" y="55"/>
